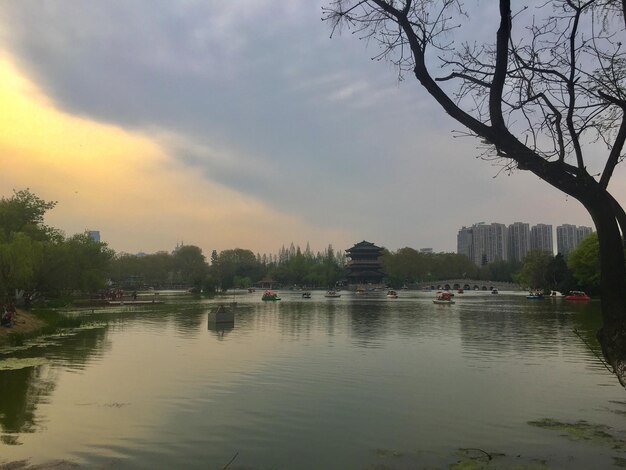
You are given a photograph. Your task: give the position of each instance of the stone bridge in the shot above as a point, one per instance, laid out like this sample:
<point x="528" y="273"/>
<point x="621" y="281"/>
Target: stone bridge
<point x="468" y="284"/>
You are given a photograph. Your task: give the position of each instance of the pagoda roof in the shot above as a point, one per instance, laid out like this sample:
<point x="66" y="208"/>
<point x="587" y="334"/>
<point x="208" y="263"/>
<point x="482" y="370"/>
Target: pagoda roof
<point x="364" y="246"/>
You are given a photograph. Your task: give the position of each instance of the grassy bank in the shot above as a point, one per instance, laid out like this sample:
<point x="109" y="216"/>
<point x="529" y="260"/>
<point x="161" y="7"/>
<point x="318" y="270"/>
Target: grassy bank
<point x="30" y="324"/>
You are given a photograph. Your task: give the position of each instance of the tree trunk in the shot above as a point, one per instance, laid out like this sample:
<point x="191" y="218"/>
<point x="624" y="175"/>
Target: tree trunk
<point x="612" y="336"/>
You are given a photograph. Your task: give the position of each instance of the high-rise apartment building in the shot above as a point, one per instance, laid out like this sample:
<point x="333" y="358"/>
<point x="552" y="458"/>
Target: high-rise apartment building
<point x="489" y="243"/>
<point x="565" y="238"/>
<point x="485" y="243"/>
<point x="582" y="233"/>
<point x="464" y="242"/>
<point x="518" y="241"/>
<point x="569" y="236"/>
<point x="541" y="238"/>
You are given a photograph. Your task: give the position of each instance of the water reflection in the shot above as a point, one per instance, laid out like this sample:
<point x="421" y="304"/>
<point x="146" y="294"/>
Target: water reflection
<point x="21" y="391"/>
<point x="515" y="328"/>
<point x="23" y="388"/>
<point x="188" y="322"/>
<point x="354" y="377"/>
<point x="368" y="322"/>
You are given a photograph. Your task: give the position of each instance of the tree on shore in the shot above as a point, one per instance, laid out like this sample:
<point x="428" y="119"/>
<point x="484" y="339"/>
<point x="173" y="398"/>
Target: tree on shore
<point x="584" y="262"/>
<point x="534" y="272"/>
<point x="35" y="257"/>
<point x="547" y="96"/>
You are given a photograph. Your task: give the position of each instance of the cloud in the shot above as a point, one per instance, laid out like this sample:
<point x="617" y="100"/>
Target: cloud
<point x="258" y="110"/>
<point x="125" y="184"/>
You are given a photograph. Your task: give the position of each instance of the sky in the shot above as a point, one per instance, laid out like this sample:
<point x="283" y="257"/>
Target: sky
<point x="238" y="124"/>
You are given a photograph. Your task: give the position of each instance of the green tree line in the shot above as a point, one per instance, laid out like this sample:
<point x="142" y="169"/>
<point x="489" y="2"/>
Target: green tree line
<point x="38" y="258"/>
<point x="35" y="258"/>
<point x="238" y="267"/>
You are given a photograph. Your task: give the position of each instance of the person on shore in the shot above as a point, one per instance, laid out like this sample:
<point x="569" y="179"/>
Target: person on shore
<point x="8" y="316"/>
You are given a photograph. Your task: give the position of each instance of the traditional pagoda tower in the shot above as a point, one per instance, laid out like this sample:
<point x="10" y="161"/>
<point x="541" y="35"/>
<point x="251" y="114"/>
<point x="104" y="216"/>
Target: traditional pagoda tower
<point x="365" y="265"/>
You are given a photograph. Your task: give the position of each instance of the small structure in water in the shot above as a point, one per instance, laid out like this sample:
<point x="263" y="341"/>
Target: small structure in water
<point x="221" y="315"/>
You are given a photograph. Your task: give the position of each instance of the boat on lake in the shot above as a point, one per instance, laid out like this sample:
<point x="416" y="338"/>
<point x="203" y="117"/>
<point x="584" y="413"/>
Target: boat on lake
<point x="269" y="295"/>
<point x="331" y="294"/>
<point x="535" y="296"/>
<point x="306" y="295"/>
<point x="494" y="291"/>
<point x="443" y="298"/>
<point x="577" y="295"/>
<point x="392" y="294"/>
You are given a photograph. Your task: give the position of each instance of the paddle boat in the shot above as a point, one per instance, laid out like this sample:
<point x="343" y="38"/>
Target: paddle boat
<point x="392" y="294"/>
<point x="535" y="296"/>
<point x="331" y="294"/>
<point x="306" y="295"/>
<point x="269" y="295"/>
<point x="443" y="298"/>
<point x="577" y="295"/>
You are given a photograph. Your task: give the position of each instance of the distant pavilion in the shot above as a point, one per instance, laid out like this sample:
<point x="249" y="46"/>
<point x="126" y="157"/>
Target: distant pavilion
<point x="365" y="265"/>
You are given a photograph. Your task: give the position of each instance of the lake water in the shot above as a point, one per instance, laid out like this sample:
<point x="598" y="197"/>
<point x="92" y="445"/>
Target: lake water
<point x="359" y="382"/>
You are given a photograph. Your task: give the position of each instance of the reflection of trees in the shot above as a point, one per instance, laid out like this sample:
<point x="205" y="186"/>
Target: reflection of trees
<point x="296" y="320"/>
<point x="587" y="321"/>
<point x="189" y="323"/>
<point x="520" y="327"/>
<point x="21" y="390"/>
<point x="76" y="349"/>
<point x="368" y="322"/>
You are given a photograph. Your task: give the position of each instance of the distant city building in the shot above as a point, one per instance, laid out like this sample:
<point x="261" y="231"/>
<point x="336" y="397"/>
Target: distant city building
<point x="489" y="243"/>
<point x="565" y="238"/>
<point x="582" y="233"/>
<point x="365" y="265"/>
<point x="464" y="242"/>
<point x="541" y="238"/>
<point x="93" y="234"/>
<point x="569" y="236"/>
<point x="178" y="247"/>
<point x="426" y="250"/>
<point x="485" y="243"/>
<point x="518" y="241"/>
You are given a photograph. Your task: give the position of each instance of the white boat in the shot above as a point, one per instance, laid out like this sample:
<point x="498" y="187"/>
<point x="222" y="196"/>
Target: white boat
<point x="392" y="294"/>
<point x="331" y="294"/>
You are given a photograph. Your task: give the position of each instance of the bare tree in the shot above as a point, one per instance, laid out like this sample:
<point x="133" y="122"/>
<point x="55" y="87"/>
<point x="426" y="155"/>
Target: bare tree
<point x="548" y="96"/>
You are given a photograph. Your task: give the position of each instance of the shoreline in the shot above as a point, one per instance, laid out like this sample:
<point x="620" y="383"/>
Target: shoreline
<point x="25" y="322"/>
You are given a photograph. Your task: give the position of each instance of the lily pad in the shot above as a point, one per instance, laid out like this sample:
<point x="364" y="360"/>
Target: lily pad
<point x="14" y="363"/>
<point x="599" y="434"/>
<point x="386" y="453"/>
